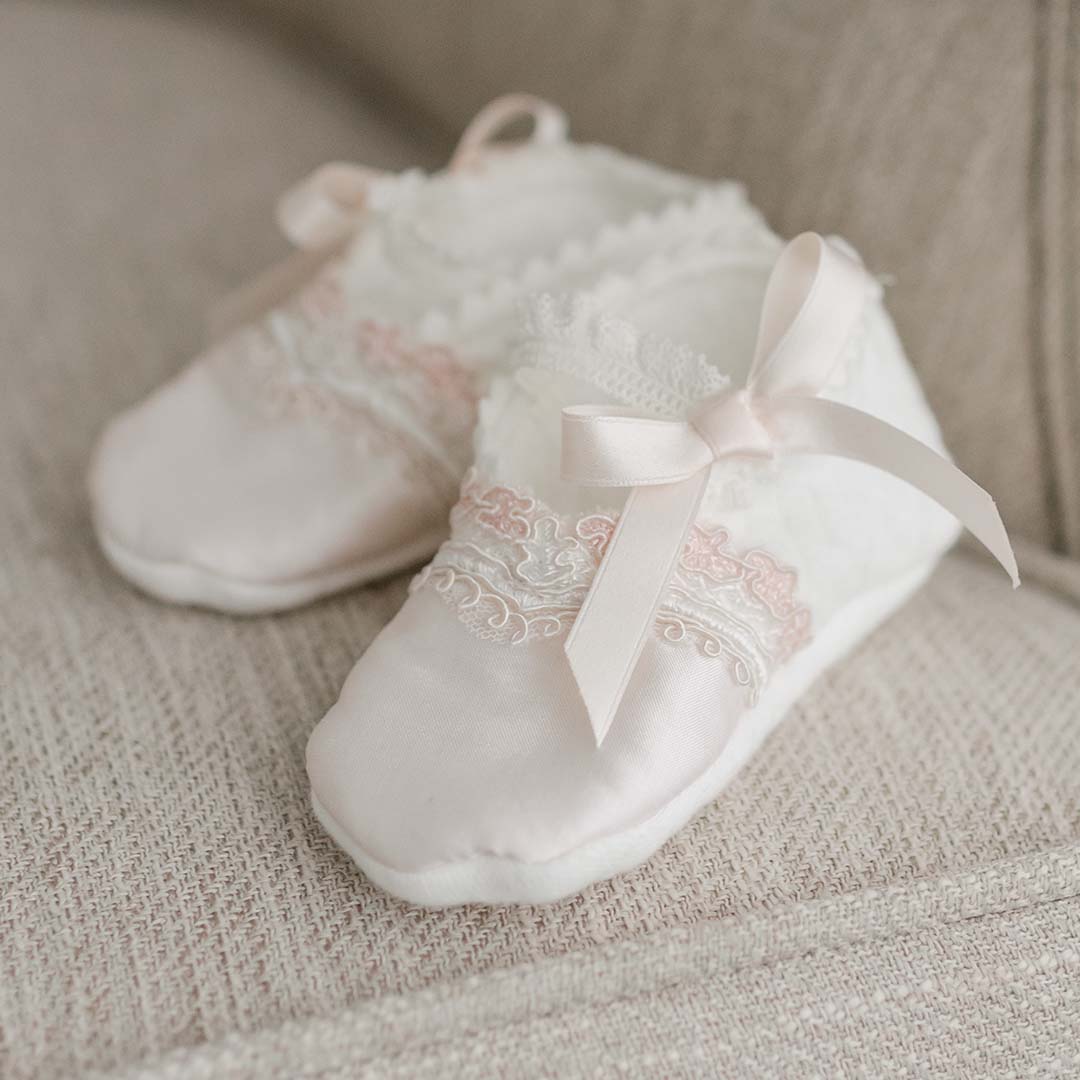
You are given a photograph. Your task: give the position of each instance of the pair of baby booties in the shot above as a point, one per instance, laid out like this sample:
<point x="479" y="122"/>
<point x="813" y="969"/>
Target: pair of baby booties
<point x="669" y="469"/>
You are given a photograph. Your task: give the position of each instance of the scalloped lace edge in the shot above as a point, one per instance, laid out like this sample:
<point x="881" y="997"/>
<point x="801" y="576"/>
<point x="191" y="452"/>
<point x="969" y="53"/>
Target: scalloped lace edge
<point x="516" y="571"/>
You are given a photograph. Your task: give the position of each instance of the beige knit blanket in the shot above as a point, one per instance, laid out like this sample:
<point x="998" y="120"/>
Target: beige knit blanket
<point x="888" y="890"/>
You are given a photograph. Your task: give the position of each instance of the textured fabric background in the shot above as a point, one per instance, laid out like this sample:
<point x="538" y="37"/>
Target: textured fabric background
<point x="964" y="976"/>
<point x="163" y="888"/>
<point x="941" y="138"/>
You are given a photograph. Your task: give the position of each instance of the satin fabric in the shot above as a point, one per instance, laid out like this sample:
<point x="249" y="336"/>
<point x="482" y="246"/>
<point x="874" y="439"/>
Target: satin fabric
<point x="814" y="299"/>
<point x="200" y="475"/>
<point x="206" y="475"/>
<point x="444" y="745"/>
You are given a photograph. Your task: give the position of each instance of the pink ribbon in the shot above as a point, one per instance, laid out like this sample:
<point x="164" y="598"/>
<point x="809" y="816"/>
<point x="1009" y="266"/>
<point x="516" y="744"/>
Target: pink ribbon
<point x="326" y="207"/>
<point x="813" y="301"/>
<point x="322" y="213"/>
<point x="549" y="126"/>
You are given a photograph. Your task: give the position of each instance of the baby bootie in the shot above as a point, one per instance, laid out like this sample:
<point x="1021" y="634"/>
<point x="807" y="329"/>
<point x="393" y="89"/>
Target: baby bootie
<point x="321" y="442"/>
<point x="580" y="669"/>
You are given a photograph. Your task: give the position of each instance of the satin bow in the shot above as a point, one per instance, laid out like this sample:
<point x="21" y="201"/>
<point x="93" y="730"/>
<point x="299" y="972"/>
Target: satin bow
<point x="813" y="300"/>
<point x="322" y="213"/>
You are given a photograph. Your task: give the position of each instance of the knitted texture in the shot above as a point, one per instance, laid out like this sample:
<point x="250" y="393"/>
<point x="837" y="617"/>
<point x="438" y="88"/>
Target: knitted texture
<point x="163" y="887"/>
<point x="963" y="976"/>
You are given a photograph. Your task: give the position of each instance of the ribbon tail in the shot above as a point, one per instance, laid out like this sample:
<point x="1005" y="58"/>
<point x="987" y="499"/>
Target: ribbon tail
<point x="253" y="299"/>
<point x="620" y="607"/>
<point x="816" y="426"/>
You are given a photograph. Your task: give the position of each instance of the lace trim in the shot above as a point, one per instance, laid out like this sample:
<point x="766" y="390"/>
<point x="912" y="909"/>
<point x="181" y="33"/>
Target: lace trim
<point x="573" y="336"/>
<point x="576" y="334"/>
<point x="313" y="359"/>
<point x="718" y="212"/>
<point x="514" y="571"/>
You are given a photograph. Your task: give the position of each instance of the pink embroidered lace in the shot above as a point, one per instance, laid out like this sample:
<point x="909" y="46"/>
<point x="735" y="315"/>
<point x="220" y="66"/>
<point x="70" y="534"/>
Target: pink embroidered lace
<point x="314" y="359"/>
<point x="514" y="570"/>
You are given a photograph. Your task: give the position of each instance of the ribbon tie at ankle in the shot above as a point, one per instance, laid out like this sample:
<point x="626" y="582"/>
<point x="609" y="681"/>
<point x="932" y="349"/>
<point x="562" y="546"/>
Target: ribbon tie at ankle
<point x="814" y="298"/>
<point x="324" y="211"/>
<point x="327" y="206"/>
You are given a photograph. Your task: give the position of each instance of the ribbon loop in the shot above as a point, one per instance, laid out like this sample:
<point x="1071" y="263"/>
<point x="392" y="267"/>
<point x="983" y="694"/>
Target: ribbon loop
<point x="325" y="207"/>
<point x="318" y="216"/>
<point x="813" y="299"/>
<point x="321" y="213"/>
<point x="812" y="303"/>
<point x="611" y="447"/>
<point x="550" y="125"/>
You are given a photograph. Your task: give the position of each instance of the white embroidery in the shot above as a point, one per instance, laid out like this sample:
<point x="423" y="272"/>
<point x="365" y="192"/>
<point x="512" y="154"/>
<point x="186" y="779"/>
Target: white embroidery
<point x="312" y="358"/>
<point x="514" y="570"/>
<point x="570" y="335"/>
